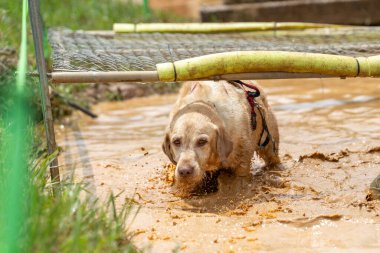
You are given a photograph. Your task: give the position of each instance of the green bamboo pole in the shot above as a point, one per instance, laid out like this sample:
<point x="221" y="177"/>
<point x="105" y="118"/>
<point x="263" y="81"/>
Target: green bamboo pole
<point x="215" y="27"/>
<point x="268" y="61"/>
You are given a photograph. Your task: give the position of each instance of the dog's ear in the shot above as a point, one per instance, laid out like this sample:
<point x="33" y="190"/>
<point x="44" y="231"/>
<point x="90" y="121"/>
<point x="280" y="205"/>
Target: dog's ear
<point x="167" y="149"/>
<point x="224" y="145"/>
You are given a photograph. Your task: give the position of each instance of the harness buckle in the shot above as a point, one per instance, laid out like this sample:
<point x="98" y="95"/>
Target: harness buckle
<point x="253" y="94"/>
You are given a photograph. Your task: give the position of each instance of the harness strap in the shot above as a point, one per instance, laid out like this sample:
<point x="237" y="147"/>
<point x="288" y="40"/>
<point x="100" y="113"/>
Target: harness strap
<point x="263" y="143"/>
<point x="251" y="95"/>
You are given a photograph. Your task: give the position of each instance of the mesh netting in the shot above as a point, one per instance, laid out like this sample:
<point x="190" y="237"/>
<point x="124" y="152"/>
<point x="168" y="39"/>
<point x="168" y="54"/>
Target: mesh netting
<point x="89" y="51"/>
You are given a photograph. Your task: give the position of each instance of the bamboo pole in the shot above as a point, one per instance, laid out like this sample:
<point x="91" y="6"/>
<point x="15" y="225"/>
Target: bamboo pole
<point x="268" y="61"/>
<point x="369" y="66"/>
<point x="238" y="65"/>
<point x="215" y="27"/>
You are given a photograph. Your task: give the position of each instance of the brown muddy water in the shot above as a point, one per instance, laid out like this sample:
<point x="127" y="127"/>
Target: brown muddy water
<point x="330" y="138"/>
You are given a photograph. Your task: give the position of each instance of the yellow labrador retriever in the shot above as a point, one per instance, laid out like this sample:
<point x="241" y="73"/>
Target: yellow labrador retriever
<point x="213" y="125"/>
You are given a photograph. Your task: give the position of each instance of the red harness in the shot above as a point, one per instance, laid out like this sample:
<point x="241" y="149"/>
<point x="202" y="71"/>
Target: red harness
<point x="251" y="95"/>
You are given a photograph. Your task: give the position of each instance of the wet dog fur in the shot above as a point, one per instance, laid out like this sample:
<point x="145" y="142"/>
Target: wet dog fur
<point x="210" y="129"/>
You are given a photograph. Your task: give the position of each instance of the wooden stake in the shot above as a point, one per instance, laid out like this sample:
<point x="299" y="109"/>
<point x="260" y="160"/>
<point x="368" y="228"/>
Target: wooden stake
<point x="35" y="20"/>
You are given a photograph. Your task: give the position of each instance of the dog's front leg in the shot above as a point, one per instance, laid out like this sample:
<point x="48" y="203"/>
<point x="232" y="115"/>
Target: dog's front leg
<point x="243" y="170"/>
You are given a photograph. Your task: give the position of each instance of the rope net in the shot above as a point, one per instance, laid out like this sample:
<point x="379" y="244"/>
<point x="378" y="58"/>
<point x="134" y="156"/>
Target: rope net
<point x="105" y="51"/>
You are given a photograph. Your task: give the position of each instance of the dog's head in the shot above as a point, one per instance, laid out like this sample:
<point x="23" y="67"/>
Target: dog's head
<point x="196" y="142"/>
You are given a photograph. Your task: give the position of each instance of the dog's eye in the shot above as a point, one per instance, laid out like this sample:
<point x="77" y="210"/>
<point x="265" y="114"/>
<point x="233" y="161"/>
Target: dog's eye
<point x="177" y="142"/>
<point x="201" y="142"/>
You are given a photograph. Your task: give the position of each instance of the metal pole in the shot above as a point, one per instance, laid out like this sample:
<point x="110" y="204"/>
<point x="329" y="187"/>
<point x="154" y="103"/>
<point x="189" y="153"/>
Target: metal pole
<point x="36" y="23"/>
<point x="152" y="76"/>
<point x="104" y="77"/>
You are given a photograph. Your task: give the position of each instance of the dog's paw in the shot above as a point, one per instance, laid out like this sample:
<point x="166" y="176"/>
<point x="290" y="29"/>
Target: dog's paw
<point x="274" y="167"/>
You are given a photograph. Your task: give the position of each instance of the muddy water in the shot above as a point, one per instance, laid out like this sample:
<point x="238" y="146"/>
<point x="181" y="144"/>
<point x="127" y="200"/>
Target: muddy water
<point x="329" y="133"/>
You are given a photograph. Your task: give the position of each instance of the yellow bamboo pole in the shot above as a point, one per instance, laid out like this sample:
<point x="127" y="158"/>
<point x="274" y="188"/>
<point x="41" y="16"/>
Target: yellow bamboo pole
<point x="369" y="66"/>
<point x="214" y="27"/>
<point x="268" y="61"/>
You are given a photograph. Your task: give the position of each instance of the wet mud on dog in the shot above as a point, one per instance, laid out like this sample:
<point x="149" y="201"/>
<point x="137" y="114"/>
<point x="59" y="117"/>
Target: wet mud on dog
<point x="219" y="125"/>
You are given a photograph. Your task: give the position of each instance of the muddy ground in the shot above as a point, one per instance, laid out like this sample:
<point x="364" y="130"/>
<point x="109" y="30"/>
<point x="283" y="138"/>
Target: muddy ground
<point x="330" y="149"/>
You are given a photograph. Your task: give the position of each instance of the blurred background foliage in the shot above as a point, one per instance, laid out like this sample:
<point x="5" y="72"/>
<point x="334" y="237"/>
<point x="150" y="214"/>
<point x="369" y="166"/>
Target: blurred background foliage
<point x="72" y="222"/>
<point x="73" y="14"/>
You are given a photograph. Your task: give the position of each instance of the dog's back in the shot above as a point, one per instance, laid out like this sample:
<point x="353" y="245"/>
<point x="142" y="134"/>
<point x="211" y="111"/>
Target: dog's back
<point x="224" y="96"/>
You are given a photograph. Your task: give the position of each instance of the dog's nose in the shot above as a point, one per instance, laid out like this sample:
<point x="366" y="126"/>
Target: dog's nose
<point x="185" y="171"/>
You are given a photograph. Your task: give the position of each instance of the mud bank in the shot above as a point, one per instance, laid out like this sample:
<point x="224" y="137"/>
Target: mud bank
<point x="330" y="134"/>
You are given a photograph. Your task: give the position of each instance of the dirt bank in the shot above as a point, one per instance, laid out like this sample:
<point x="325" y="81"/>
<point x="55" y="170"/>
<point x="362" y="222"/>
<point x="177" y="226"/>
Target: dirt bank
<point x="330" y="138"/>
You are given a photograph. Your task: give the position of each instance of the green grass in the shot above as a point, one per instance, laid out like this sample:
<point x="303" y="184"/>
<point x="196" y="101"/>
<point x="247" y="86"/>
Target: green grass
<point x="76" y="14"/>
<point x="72" y="222"/>
<point x="6" y="81"/>
<point x="73" y="14"/>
